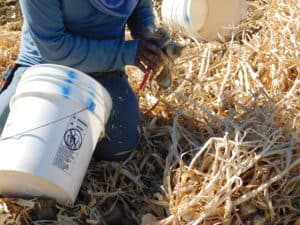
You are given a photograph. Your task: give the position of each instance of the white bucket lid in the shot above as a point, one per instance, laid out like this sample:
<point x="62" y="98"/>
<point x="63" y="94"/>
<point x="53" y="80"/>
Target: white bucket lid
<point x="204" y="19"/>
<point x="222" y="16"/>
<point x="197" y="14"/>
<point x="184" y="15"/>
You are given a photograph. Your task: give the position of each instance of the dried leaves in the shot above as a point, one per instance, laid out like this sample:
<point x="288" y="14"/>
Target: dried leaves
<point x="8" y="49"/>
<point x="245" y="95"/>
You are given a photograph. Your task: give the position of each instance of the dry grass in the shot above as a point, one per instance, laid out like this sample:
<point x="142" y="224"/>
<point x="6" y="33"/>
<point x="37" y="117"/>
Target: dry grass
<point x="221" y="146"/>
<point x="8" y="48"/>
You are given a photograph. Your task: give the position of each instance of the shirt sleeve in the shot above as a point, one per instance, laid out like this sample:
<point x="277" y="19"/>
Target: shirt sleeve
<point x="141" y="17"/>
<point x="56" y="45"/>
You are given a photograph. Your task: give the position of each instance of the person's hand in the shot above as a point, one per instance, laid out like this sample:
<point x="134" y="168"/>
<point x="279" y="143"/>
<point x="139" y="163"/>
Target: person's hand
<point x="173" y="50"/>
<point x="157" y="35"/>
<point x="148" y="56"/>
<point x="154" y="34"/>
<point x="162" y="39"/>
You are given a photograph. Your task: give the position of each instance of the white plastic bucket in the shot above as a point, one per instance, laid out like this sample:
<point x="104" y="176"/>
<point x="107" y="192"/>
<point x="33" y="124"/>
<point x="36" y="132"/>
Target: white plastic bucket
<point x="204" y="19"/>
<point x="57" y="116"/>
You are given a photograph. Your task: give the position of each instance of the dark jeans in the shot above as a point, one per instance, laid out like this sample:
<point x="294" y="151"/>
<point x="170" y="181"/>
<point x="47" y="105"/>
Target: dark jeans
<point x="122" y="128"/>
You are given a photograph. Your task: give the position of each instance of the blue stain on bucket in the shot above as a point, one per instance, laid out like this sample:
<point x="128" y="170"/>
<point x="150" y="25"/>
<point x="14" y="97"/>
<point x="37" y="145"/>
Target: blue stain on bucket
<point x="66" y="91"/>
<point x="72" y="74"/>
<point x="187" y="19"/>
<point x="69" y="81"/>
<point x="91" y="104"/>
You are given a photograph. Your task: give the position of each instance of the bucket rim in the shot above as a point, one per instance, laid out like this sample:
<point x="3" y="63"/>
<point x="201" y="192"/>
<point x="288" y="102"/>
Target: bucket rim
<point x="88" y="89"/>
<point x="100" y="95"/>
<point x="68" y="200"/>
<point x="63" y="67"/>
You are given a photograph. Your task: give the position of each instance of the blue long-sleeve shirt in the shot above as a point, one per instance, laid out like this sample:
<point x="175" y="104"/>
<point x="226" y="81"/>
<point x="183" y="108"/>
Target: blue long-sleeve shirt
<point x="75" y="34"/>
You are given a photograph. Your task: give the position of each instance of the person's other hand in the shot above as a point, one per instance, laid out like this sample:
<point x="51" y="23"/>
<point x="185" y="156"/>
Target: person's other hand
<point x="173" y="50"/>
<point x="154" y="34"/>
<point x="157" y="35"/>
<point x="148" y="56"/>
<point x="162" y="39"/>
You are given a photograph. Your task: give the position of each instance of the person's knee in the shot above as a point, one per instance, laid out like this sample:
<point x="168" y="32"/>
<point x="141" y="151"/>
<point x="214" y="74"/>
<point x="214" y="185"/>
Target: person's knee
<point x="122" y="128"/>
<point x="118" y="149"/>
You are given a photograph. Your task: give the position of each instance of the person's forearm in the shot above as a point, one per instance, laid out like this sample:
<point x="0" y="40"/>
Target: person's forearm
<point x="141" y="18"/>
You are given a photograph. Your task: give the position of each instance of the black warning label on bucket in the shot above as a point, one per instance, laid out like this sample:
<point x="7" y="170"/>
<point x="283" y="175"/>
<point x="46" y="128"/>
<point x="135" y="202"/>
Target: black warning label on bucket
<point x="71" y="143"/>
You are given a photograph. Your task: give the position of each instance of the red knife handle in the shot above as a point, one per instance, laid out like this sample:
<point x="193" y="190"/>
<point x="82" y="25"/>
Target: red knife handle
<point x="147" y="76"/>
